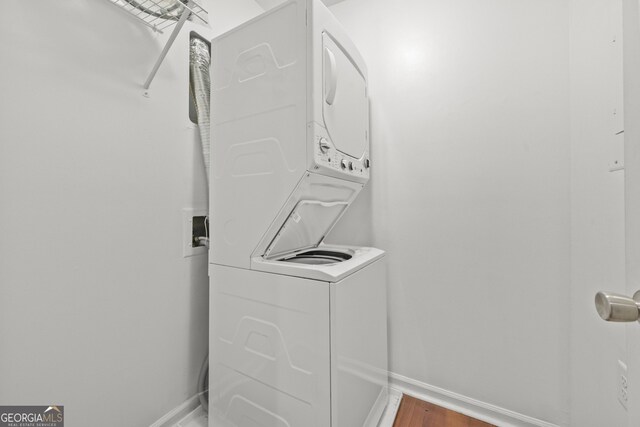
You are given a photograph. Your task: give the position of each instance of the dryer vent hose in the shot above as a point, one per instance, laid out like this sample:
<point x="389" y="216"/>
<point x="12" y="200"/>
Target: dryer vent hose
<point x="203" y="384"/>
<point x="200" y="86"/>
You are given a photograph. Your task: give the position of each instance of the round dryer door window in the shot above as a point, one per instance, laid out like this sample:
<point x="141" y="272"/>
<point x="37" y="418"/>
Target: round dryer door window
<point x="345" y="104"/>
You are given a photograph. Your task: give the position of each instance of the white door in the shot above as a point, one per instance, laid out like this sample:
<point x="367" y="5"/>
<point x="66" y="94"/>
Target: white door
<point x="622" y="308"/>
<point x="631" y="38"/>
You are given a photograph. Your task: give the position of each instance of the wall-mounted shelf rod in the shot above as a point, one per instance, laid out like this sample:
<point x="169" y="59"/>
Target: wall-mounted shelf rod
<point x="161" y="15"/>
<point x="172" y="38"/>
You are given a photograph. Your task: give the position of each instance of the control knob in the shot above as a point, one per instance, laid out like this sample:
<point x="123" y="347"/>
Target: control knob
<point x="344" y="164"/>
<point x="324" y="145"/>
<point x="367" y="163"/>
<point x="351" y="166"/>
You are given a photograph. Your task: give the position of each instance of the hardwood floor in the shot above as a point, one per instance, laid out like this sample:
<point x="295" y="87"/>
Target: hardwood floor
<point x="417" y="413"/>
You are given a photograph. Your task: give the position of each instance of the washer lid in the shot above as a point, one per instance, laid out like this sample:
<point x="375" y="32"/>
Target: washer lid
<point x="305" y="227"/>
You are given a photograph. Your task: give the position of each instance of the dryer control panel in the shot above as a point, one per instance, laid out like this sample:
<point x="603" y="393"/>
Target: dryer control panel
<point x="325" y="155"/>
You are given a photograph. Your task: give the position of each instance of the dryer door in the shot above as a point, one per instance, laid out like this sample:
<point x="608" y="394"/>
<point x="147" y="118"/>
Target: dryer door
<point x="345" y="105"/>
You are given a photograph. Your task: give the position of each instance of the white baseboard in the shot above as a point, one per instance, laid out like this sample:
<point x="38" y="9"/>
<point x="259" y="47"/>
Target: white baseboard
<point x="390" y="412"/>
<point x="179" y="412"/>
<point x="465" y="405"/>
<point x="399" y="385"/>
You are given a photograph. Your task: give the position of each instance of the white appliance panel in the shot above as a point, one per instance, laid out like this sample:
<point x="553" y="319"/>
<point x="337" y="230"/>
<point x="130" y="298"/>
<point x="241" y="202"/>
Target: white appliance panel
<point x="269" y="338"/>
<point x="359" y="347"/>
<point x="258" y="128"/>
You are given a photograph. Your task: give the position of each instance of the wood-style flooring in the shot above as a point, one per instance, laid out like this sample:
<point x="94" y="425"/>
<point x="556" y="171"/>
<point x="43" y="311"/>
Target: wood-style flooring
<point x="417" y="413"/>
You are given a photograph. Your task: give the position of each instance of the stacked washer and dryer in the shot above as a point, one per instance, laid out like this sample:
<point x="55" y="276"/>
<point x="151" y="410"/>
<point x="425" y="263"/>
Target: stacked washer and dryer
<point x="298" y="333"/>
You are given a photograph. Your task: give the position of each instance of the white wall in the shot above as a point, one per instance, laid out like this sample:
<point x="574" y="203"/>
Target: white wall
<point x="597" y="206"/>
<point x="470" y="193"/>
<point x="99" y="311"/>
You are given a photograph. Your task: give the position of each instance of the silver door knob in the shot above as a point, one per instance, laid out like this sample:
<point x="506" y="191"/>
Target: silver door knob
<point x="618" y="308"/>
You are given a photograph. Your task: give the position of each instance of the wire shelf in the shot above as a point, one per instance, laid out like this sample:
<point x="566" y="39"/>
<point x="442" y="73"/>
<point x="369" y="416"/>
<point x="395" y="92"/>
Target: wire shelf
<point x="161" y="15"/>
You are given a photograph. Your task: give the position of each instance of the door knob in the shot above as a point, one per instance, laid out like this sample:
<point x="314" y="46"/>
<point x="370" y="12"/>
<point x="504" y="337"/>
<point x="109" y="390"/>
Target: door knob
<point x="618" y="308"/>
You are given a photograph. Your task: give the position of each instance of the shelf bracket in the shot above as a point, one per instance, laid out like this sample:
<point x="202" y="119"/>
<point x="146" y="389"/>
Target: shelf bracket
<point x="167" y="46"/>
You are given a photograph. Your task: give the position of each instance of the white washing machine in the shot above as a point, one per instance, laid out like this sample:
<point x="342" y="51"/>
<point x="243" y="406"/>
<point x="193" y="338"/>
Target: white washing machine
<point x="294" y="351"/>
<point x="298" y="331"/>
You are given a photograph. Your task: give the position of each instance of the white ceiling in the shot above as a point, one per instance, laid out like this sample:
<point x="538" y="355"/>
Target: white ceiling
<point x="268" y="4"/>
